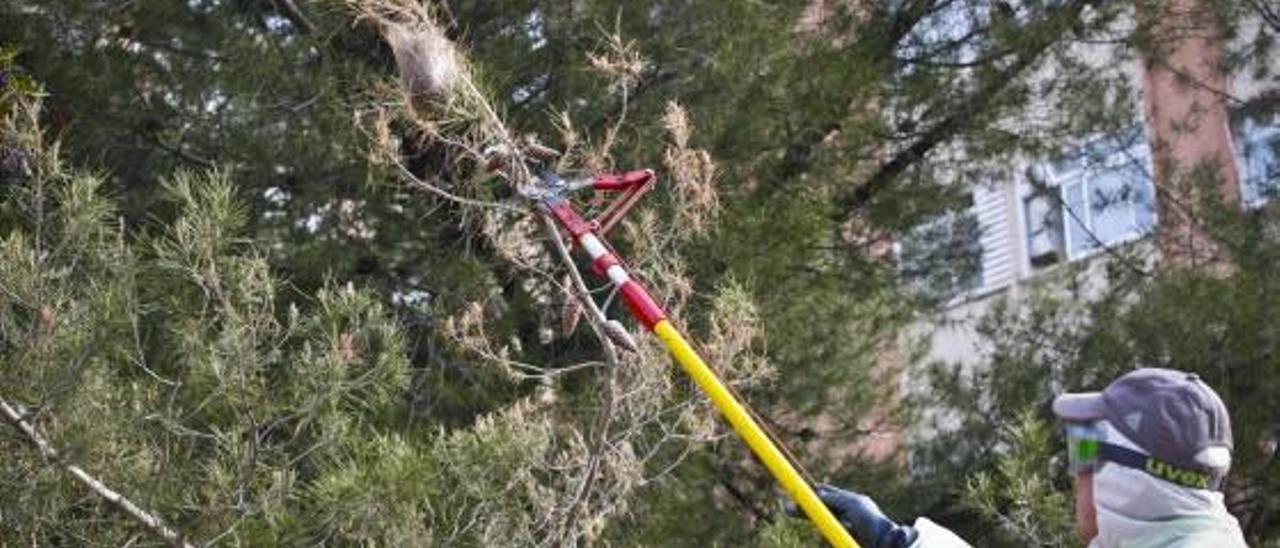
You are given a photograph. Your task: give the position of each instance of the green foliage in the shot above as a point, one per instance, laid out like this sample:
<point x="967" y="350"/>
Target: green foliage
<point x="160" y="363"/>
<point x="15" y="84"/>
<point x="1022" y="492"/>
<point x="788" y="533"/>
<point x="473" y="487"/>
<point x="266" y="362"/>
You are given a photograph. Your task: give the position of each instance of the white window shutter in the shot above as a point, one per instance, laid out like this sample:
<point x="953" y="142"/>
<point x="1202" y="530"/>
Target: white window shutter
<point x="992" y="209"/>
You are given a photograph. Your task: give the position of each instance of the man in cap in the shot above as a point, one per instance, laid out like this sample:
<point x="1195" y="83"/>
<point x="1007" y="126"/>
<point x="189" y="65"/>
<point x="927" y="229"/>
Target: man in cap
<point x="1149" y="454"/>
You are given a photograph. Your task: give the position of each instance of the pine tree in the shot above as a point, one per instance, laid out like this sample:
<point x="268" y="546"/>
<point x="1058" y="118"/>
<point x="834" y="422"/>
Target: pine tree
<point x="278" y="336"/>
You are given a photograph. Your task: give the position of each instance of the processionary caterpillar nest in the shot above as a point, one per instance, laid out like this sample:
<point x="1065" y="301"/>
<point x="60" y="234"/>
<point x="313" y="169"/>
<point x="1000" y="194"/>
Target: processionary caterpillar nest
<point x="428" y="62"/>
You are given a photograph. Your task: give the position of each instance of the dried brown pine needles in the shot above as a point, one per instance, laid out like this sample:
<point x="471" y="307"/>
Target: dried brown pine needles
<point x="636" y="426"/>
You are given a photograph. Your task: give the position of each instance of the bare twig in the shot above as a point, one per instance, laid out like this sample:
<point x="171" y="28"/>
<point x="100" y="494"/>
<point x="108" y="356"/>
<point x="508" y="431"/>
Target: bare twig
<point x="417" y="182"/>
<point x="182" y="153"/>
<point x="147" y="519"/>
<point x="294" y="15"/>
<point x="596" y="317"/>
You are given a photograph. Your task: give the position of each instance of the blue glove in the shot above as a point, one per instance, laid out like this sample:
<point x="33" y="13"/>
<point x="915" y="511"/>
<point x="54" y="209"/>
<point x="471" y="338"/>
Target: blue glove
<point x="863" y="518"/>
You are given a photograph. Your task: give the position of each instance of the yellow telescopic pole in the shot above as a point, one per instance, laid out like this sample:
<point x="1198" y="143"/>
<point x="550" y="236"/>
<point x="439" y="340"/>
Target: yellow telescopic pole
<point x="755" y="437"/>
<point x="651" y="315"/>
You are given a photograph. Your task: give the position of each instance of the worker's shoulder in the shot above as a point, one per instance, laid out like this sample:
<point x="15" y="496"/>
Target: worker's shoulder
<point x="932" y="535"/>
<point x="1196" y="532"/>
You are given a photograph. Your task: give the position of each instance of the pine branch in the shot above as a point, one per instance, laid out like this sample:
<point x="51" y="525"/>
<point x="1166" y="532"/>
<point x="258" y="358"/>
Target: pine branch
<point x="880" y="42"/>
<point x="291" y="12"/>
<point x="1269" y="13"/>
<point x="963" y="114"/>
<point x="147" y="519"/>
<point x="182" y="154"/>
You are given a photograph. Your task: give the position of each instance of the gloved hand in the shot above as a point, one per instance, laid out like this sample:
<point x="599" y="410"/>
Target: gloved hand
<point x="863" y="518"/>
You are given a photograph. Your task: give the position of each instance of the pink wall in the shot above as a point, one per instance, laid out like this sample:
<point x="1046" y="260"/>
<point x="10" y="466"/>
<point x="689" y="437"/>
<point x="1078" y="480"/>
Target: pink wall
<point x="1185" y="100"/>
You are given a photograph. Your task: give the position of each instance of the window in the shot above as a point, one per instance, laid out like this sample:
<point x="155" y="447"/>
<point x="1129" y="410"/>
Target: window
<point x="942" y="258"/>
<point x="953" y="32"/>
<point x="1258" y="139"/>
<point x="1107" y="207"/>
<point x="1094" y="196"/>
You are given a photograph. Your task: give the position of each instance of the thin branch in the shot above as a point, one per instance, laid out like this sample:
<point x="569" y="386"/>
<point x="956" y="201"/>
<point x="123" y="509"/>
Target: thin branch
<point x="416" y="182"/>
<point x="184" y="51"/>
<point x="291" y="12"/>
<point x="147" y="519"/>
<point x="182" y="153"/>
<point x="597" y="319"/>
<point x="963" y="114"/>
<point x="1198" y="83"/>
<point x="595" y="316"/>
<point x="1270" y="13"/>
<point x="928" y="60"/>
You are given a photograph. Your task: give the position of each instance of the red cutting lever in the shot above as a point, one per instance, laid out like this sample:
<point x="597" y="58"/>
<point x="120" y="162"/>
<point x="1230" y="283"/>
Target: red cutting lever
<point x="633" y="184"/>
<point x="622" y="181"/>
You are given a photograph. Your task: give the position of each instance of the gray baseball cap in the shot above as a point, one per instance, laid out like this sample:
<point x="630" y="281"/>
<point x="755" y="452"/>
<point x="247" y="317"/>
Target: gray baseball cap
<point x="1172" y="415"/>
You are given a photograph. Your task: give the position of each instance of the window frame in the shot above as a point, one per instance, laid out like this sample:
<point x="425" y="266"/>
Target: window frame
<point x="1248" y="133"/>
<point x="1087" y="169"/>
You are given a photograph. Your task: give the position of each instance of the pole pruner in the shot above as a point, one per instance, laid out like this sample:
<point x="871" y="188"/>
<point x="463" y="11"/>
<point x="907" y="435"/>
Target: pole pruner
<point x="551" y="193"/>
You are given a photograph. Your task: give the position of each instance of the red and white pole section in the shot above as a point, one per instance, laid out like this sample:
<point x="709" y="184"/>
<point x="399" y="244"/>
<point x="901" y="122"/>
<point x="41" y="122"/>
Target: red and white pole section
<point x="646" y="310"/>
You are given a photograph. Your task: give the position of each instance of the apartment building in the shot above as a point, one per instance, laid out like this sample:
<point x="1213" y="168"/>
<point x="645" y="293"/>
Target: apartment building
<point x="1060" y="220"/>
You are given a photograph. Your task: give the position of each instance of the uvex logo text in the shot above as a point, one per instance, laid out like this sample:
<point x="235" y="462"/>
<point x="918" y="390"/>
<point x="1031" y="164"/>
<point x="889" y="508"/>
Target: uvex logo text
<point x="1178" y="475"/>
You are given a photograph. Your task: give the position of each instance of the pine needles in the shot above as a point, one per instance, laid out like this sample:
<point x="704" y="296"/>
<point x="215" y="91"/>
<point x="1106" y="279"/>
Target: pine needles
<point x="636" y="423"/>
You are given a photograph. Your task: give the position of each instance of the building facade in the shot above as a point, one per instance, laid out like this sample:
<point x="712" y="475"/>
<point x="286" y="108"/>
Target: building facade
<point x="1129" y="195"/>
